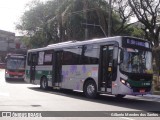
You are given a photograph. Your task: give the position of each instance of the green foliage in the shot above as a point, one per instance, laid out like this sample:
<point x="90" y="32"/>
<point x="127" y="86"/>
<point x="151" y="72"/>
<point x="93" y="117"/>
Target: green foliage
<point x="61" y="20"/>
<point x="26" y="41"/>
<point x="137" y="32"/>
<point x="34" y="23"/>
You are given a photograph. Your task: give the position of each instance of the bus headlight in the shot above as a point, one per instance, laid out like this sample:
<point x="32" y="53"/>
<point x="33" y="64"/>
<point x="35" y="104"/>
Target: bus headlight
<point x="128" y="84"/>
<point x="6" y="74"/>
<point x="125" y="82"/>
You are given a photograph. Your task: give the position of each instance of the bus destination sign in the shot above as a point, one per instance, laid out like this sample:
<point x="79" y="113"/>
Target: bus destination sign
<point x="136" y="42"/>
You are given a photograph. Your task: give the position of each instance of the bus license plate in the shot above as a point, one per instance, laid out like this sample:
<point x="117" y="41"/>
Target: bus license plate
<point x="15" y="76"/>
<point x="142" y="91"/>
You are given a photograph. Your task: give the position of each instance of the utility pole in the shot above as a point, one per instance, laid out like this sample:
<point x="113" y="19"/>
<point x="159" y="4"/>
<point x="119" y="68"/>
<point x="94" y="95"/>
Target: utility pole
<point x="109" y="18"/>
<point x="85" y="5"/>
<point x="60" y="23"/>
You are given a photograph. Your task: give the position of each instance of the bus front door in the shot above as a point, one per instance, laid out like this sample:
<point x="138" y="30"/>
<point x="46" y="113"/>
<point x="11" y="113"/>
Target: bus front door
<point x="33" y="67"/>
<point x="105" y="69"/>
<point x="57" y="68"/>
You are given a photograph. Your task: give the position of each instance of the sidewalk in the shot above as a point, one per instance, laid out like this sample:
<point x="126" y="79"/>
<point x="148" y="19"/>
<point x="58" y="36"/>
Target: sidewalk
<point x="156" y="93"/>
<point x="154" y="96"/>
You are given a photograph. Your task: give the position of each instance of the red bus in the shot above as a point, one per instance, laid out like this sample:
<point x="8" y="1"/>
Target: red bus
<point x="15" y="66"/>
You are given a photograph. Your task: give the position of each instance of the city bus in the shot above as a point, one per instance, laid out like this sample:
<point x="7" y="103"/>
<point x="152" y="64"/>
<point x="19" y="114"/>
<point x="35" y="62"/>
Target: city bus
<point x="117" y="66"/>
<point x="15" y="66"/>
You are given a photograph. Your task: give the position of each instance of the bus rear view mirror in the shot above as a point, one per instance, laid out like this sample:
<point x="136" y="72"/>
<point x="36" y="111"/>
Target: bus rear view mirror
<point x="121" y="56"/>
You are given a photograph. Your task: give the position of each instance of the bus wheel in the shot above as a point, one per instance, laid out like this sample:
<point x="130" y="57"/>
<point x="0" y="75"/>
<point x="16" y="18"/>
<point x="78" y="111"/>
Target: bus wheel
<point x="44" y="83"/>
<point x="90" y="89"/>
<point x="120" y="96"/>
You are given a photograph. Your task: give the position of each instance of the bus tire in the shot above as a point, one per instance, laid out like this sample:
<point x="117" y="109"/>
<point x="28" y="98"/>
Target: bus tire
<point x="90" y="89"/>
<point x="44" y="83"/>
<point x="120" y="96"/>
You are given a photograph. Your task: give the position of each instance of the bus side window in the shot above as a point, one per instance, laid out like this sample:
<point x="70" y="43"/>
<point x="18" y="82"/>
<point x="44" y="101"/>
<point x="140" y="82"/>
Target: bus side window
<point x="40" y="58"/>
<point x="48" y="58"/>
<point x="90" y="54"/>
<point x="67" y="58"/>
<point x="71" y="56"/>
<point x="32" y="58"/>
<point x="35" y="58"/>
<point x="29" y="59"/>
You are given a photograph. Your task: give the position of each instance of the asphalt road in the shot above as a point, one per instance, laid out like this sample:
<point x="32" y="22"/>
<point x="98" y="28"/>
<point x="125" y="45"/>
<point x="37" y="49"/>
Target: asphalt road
<point x="21" y="97"/>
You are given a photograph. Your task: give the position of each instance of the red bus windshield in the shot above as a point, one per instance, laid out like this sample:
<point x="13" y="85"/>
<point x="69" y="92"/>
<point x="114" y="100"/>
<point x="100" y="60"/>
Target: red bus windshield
<point x="15" y="64"/>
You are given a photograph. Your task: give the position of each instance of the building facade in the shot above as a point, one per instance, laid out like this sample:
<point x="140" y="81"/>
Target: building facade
<point x="9" y="43"/>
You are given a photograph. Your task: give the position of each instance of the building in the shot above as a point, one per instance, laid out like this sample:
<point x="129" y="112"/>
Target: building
<point x="9" y="43"/>
<point x="6" y="40"/>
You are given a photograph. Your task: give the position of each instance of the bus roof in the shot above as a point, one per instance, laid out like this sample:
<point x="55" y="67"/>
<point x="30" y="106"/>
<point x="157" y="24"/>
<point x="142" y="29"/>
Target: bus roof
<point x="73" y="43"/>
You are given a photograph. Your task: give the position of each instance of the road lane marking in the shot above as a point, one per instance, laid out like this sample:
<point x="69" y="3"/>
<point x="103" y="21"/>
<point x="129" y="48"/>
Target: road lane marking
<point x="126" y="118"/>
<point x="4" y="94"/>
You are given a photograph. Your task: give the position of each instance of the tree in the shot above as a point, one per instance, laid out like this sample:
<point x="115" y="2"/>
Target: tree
<point x="147" y="12"/>
<point x="94" y="16"/>
<point x="61" y="20"/>
<point x="79" y="14"/>
<point x="34" y="22"/>
<point x="124" y="12"/>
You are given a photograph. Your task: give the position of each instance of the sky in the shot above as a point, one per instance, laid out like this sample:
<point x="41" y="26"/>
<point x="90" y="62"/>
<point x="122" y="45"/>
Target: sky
<point x="10" y="13"/>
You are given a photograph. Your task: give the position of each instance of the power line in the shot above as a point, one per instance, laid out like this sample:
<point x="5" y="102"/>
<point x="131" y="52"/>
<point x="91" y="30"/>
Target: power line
<point x="94" y="25"/>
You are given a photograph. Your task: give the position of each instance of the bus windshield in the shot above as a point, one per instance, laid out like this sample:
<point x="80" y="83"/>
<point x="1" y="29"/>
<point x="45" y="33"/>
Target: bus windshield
<point x="136" y="61"/>
<point x="15" y="64"/>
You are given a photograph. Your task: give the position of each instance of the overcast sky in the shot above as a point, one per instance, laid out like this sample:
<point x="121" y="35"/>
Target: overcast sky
<point x="10" y="12"/>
